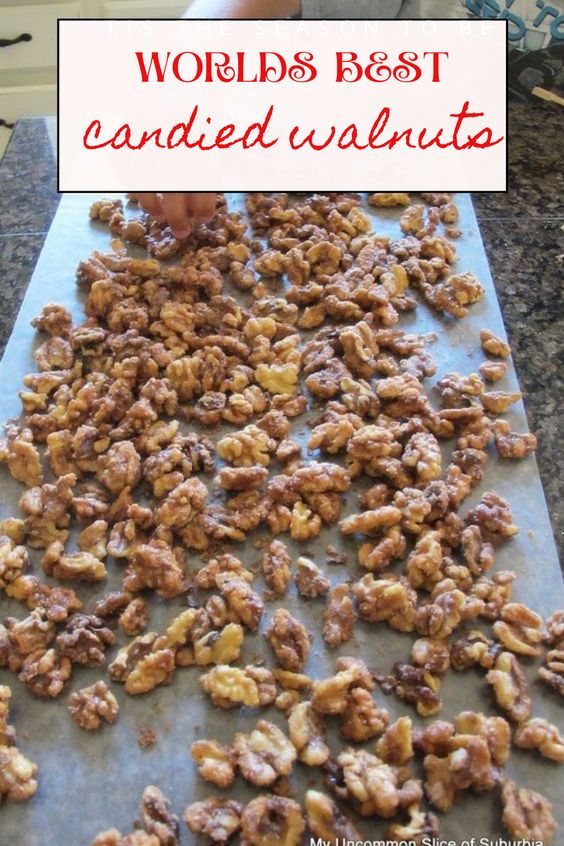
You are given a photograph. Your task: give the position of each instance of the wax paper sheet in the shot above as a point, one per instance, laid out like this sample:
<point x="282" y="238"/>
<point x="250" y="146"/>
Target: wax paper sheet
<point x="90" y="782"/>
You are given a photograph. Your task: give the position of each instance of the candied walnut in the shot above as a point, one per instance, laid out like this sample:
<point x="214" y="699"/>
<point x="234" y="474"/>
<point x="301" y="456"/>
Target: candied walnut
<point x="206" y="575"/>
<point x="511" y="444"/>
<point x="182" y="504"/>
<point x="446" y="609"/>
<point x="241" y="599"/>
<point x="105" y="209"/>
<point x="275" y="423"/>
<point x="47" y="510"/>
<point x="215" y="818"/>
<point x="292" y="681"/>
<point x="56" y="602"/>
<point x="22" y="457"/>
<point x="493" y="517"/>
<point x="304" y="524"/>
<point x="541" y="735"/>
<point x="510" y="687"/>
<point x="310" y="579"/>
<point x="411" y="220"/>
<point x="229" y="686"/>
<point x="376" y="557"/>
<point x="339" y="616"/>
<point x="395" y="746"/>
<point x="151" y="670"/>
<point x="390" y="600"/>
<point x="135" y="616"/>
<point x="467" y="765"/>
<point x="157" y="818"/>
<point x="307" y="733"/>
<point x="520" y="629"/>
<point x="456" y="390"/>
<point x="17" y="775"/>
<point x="424" y="566"/>
<point x="362" y="718"/>
<point x="289" y="639"/>
<point x="271" y="263"/>
<point x="111" y="604"/>
<point x="154" y="565"/>
<point x="423" y="453"/>
<point x="90" y="705"/>
<point x="54" y="354"/>
<point x="454" y="294"/>
<point x="326" y="820"/>
<point x="264" y="755"/>
<point x="493" y="371"/>
<point x="275" y="567"/>
<point x="215" y="762"/>
<point x="25" y="636"/>
<point x="383" y="199"/>
<point x="93" y="539"/>
<point x="376" y="788"/>
<point x="286" y="700"/>
<point x="431" y="654"/>
<point x="331" y="696"/>
<point x="13" y="560"/>
<point x="370" y="521"/>
<point x="417" y="686"/>
<point x="272" y="821"/>
<point x="249" y="447"/>
<point x="13" y="528"/>
<point x="242" y="478"/>
<point x="553" y="671"/>
<point x="219" y="647"/>
<point x="474" y="648"/>
<point x="278" y="378"/>
<point x="120" y="467"/>
<point x="497" y="402"/>
<point x="113" y="837"/>
<point x="555" y="627"/>
<point x="288" y="450"/>
<point x="479" y="555"/>
<point x="85" y="640"/>
<point x="54" y="319"/>
<point x="7" y="732"/>
<point x="423" y="827"/>
<point x="331" y="436"/>
<point x="45" y="673"/>
<point x="526" y="813"/>
<point x="495" y="592"/>
<point x="493" y="345"/>
<point x="80" y="567"/>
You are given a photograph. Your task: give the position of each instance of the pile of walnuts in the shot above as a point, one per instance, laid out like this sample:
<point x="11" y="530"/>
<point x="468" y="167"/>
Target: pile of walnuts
<point x="291" y="309"/>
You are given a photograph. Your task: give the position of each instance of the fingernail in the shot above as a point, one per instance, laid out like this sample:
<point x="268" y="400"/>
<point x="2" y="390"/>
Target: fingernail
<point x="181" y="233"/>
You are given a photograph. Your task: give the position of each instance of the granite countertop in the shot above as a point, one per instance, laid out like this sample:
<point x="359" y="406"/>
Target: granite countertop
<point x="522" y="232"/>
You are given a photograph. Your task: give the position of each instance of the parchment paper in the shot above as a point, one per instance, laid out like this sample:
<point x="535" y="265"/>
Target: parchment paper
<point x="88" y="783"/>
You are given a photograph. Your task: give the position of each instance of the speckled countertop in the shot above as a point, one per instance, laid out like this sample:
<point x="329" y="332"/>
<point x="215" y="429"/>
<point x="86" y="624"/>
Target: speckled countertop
<point x="523" y="233"/>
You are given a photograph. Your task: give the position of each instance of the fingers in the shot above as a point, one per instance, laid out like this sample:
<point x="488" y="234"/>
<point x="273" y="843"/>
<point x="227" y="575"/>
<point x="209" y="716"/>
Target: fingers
<point x="180" y="210"/>
<point x="178" y="214"/>
<point x="152" y="204"/>
<point x="202" y="206"/>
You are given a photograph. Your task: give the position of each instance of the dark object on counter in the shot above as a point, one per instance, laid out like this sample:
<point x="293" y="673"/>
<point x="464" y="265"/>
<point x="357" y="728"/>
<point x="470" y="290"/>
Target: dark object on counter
<point x="530" y="69"/>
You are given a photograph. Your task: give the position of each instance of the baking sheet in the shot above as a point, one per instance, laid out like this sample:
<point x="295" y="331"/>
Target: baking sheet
<point x="88" y="783"/>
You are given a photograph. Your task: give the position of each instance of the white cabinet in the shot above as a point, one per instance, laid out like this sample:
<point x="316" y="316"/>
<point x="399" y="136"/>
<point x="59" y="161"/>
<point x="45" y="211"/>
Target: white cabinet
<point x="143" y="8"/>
<point x="39" y="22"/>
<point x="28" y="61"/>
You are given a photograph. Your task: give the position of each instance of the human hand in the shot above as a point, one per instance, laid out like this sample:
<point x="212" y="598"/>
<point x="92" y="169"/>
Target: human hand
<point x="181" y="211"/>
